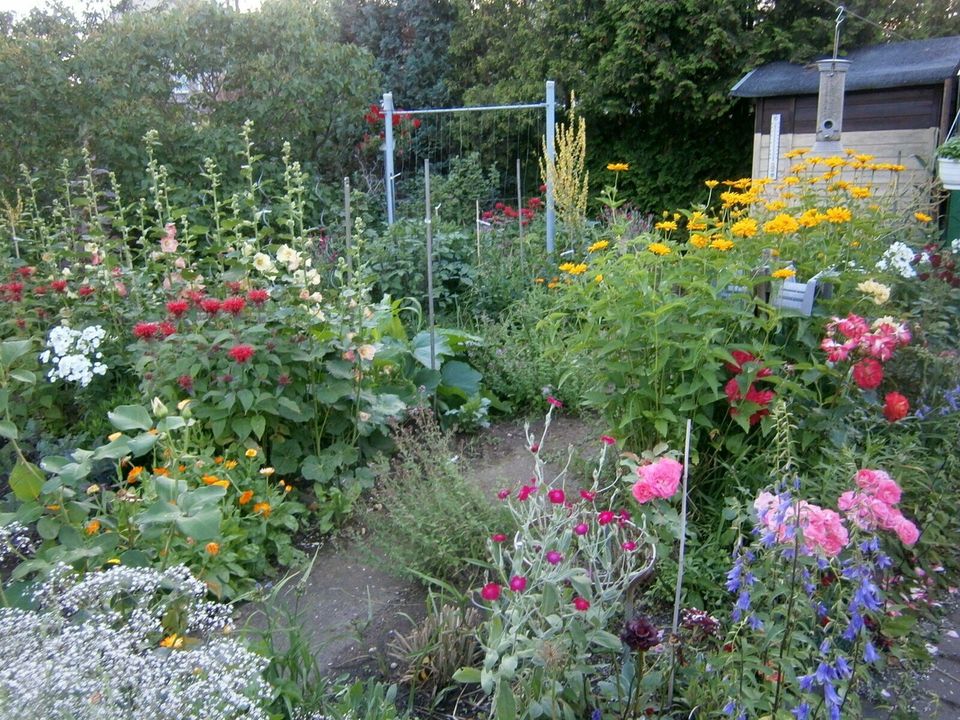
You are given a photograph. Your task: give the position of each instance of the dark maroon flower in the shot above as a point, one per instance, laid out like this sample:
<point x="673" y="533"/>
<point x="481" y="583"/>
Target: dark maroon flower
<point x="640" y="634"/>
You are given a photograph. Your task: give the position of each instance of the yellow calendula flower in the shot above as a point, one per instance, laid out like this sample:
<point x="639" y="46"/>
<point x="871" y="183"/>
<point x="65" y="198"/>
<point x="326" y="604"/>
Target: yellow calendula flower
<point x="578" y="269"/>
<point x="230" y="464"/>
<point x="172" y="641"/>
<point x="839" y="215"/>
<point x="699" y="241"/>
<point x="565" y="267"/>
<point x="722" y="244"/>
<point x="598" y="245"/>
<point x="618" y="167"/>
<point x="539" y="281"/>
<point x="922" y="217"/>
<point x="222" y="483"/>
<point x="711" y="183"/>
<point x="113" y="561"/>
<point x="553" y="284"/>
<point x="659" y="249"/>
<point x="598" y="278"/>
<point x="250" y="453"/>
<point x="782" y="224"/>
<point x="783" y="274"/>
<point x="263" y="508"/>
<point x="745" y="228"/>
<point x="668" y="225"/>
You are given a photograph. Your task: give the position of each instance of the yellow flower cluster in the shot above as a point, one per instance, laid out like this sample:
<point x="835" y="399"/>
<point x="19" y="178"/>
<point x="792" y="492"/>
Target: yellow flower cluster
<point x="598" y="245"/>
<point x="745" y="228"/>
<point x="839" y="215"/>
<point x="572" y="268"/>
<point x="668" y="225"/>
<point x="659" y="248"/>
<point x="782" y="224"/>
<point x="618" y="167"/>
<point x="783" y="274"/>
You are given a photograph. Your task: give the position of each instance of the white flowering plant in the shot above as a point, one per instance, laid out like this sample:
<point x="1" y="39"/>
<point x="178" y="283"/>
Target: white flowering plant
<point x="74" y="355"/>
<point x="127" y="642"/>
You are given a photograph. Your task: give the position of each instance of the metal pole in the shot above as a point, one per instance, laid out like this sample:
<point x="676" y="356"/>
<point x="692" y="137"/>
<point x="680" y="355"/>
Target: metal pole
<point x="519" y="205"/>
<point x="388" y="153"/>
<point x="348" y="227"/>
<point x="551" y="159"/>
<point x="429" y="221"/>
<point x="478" y="232"/>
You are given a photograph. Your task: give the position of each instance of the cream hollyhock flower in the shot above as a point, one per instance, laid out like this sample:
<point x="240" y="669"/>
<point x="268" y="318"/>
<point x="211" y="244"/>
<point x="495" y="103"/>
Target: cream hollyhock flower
<point x="877" y="292"/>
<point x="263" y="263"/>
<point x="367" y="352"/>
<point x="289" y="257"/>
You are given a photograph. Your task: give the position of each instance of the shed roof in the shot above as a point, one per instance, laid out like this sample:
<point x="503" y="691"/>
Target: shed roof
<point x="914" y="62"/>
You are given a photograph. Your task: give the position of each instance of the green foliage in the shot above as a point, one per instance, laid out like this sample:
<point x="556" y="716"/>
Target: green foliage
<point x="435" y="520"/>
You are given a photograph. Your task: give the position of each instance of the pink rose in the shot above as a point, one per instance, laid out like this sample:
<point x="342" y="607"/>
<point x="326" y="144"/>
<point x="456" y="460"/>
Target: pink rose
<point x="663" y="476"/>
<point x="907" y="532"/>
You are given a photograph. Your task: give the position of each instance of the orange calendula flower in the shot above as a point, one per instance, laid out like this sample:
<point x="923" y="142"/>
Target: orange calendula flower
<point x="263" y="508"/>
<point x="161" y="471"/>
<point x="172" y="641"/>
<point x="134" y="473"/>
<point x="92" y="527"/>
<point x="553" y="284"/>
<point x="539" y="281"/>
<point x="922" y="217"/>
<point x="209" y="479"/>
<point x="659" y="249"/>
<point x="783" y="274"/>
<point x="745" y="228"/>
<point x="250" y="453"/>
<point x="245" y="497"/>
<point x="218" y="460"/>
<point x="212" y="548"/>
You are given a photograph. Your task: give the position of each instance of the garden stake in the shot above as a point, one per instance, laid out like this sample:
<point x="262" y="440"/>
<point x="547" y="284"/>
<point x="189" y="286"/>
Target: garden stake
<point x="428" y="221"/>
<point x="346" y="227"/>
<point x="683" y="546"/>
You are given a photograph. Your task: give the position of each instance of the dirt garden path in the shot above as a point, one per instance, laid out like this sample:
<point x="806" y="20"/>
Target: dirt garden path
<point x="351" y="606"/>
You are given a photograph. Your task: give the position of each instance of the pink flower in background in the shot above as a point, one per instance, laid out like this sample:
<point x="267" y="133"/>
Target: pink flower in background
<point x="177" y="307"/>
<point x="503" y="494"/>
<point x="498" y="537"/>
<point x="895" y="407"/>
<point x="518" y="583"/>
<point x="852" y="327"/>
<point x="581" y="529"/>
<point x="588" y="496"/>
<point x="234" y="305"/>
<point x="556" y="496"/>
<point x="145" y="330"/>
<point x="629" y="545"/>
<point x="554" y="557"/>
<point x="211" y="306"/>
<point x="526" y="491"/>
<point x="581" y="604"/>
<point x="868" y="374"/>
<point x="168" y="243"/>
<point x="607" y="440"/>
<point x="606" y="517"/>
<point x="907" y="532"/>
<point x="553" y="401"/>
<point x="824" y="531"/>
<point x="258" y="297"/>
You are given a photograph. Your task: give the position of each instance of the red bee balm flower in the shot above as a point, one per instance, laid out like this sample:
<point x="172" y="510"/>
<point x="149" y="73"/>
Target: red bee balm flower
<point x="166" y="328"/>
<point x="59" y="286"/>
<point x="258" y="297"/>
<point x="581" y="604"/>
<point x="177" y="307"/>
<point x="490" y="591"/>
<point x="895" y="407"/>
<point x="145" y="330"/>
<point x="211" y="306"/>
<point x="868" y="374"/>
<point x="240" y="353"/>
<point x="234" y="305"/>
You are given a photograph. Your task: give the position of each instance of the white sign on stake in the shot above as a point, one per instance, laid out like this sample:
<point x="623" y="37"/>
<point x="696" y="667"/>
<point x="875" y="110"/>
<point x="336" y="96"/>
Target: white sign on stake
<point x="773" y="161"/>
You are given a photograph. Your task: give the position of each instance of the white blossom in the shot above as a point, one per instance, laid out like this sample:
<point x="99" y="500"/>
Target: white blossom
<point x="898" y="258"/>
<point x="74" y="354"/>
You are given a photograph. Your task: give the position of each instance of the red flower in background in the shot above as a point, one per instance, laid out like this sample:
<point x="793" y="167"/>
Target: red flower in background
<point x="895" y="407"/>
<point x="185" y="382"/>
<point x="240" y="353"/>
<point x="210" y="306"/>
<point x="85" y="290"/>
<point x="868" y="374"/>
<point x="59" y="286"/>
<point x="258" y="297"/>
<point x="145" y="330"/>
<point x="234" y="305"/>
<point x="490" y="591"/>
<point x="177" y="307"/>
<point x="167" y="328"/>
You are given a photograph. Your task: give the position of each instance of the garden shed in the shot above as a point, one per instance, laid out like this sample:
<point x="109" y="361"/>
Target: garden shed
<point x="900" y="101"/>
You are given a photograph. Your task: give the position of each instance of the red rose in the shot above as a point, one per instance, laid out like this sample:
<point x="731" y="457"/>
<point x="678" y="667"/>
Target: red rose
<point x="868" y="374"/>
<point x="895" y="407"/>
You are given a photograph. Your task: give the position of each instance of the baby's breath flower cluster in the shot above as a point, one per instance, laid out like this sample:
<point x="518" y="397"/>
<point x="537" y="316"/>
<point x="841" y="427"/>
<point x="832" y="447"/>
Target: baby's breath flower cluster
<point x="74" y="354"/>
<point x="100" y="646"/>
<point x="15" y="541"/>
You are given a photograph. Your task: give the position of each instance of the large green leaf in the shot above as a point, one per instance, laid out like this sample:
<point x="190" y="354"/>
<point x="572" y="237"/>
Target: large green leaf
<point x="8" y="430"/>
<point x="202" y="526"/>
<point x="130" y="417"/>
<point x="26" y="480"/>
<point x="10" y="350"/>
<point x="461" y="376"/>
<point x="421" y="348"/>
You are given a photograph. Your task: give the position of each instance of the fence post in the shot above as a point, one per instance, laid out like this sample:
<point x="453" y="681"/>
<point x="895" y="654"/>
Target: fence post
<point x="388" y="152"/>
<point x="551" y="159"/>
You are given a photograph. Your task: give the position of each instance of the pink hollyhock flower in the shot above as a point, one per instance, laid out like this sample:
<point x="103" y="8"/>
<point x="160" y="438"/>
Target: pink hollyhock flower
<point x="240" y="353"/>
<point x="895" y="407"/>
<point x="553" y="401"/>
<point x="581" y="604"/>
<point x="663" y="476"/>
<point x="907" y="532"/>
<point x="581" y="529"/>
<point x="607" y="440"/>
<point x="868" y="374"/>
<point x="498" y="537"/>
<point x="145" y="330"/>
<point x="234" y="305"/>
<point x="168" y="243"/>
<point x="554" y="557"/>
<point x="258" y="297"/>
<point x="518" y="583"/>
<point x="588" y="496"/>
<point x="121" y="288"/>
<point x="556" y="496"/>
<point x="606" y="517"/>
<point x="490" y="591"/>
<point x="177" y="307"/>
